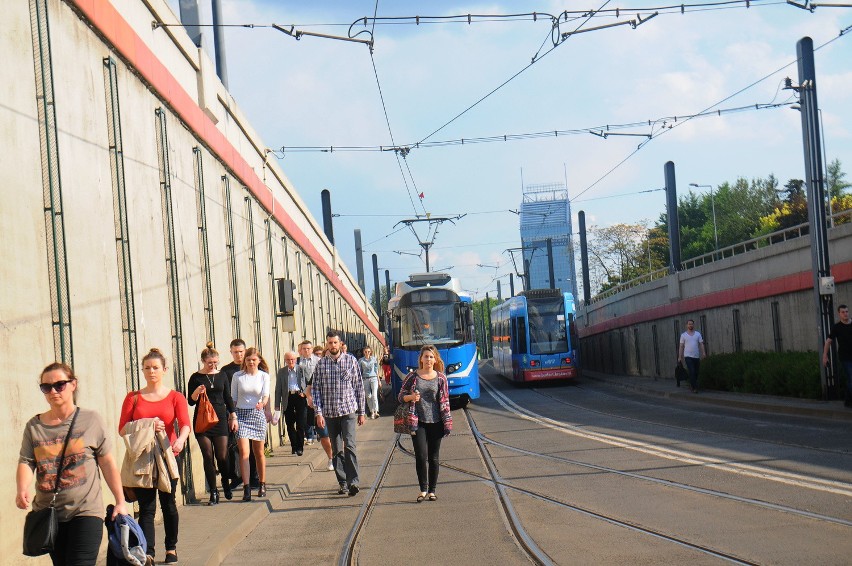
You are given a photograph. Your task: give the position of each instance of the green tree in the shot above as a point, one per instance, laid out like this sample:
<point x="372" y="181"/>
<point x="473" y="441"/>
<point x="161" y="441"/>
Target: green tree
<point x="835" y="182"/>
<point x="617" y="254"/>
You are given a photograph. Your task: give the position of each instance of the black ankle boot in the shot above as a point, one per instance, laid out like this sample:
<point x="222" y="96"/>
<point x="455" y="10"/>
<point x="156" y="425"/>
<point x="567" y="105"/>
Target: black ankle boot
<point x="214" y="497"/>
<point x="226" y="489"/>
<point x="247" y="493"/>
<point x="261" y="491"/>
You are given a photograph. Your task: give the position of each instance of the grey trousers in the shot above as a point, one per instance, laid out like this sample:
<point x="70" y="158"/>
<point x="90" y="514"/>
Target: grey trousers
<point x="341" y="431"/>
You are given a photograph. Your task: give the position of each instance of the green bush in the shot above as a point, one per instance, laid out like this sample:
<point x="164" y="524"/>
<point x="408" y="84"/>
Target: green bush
<point x="790" y="374"/>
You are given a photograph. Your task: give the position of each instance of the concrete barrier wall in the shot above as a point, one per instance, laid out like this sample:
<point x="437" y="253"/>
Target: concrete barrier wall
<point x="636" y="332"/>
<point x="156" y="69"/>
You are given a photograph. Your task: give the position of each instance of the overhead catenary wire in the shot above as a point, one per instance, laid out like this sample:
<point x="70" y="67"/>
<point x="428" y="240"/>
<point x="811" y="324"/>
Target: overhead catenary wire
<point x="603" y="130"/>
<point x="706" y="110"/>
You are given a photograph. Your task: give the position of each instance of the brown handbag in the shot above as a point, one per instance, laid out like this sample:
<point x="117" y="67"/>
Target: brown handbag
<point x="206" y="417"/>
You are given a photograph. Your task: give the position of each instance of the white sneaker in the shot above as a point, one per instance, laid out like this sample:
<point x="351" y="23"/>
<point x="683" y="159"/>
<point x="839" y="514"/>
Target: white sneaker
<point x="330" y="466"/>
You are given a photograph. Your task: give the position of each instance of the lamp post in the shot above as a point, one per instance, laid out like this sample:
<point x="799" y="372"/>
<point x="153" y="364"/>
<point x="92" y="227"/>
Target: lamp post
<point x="713" y="207"/>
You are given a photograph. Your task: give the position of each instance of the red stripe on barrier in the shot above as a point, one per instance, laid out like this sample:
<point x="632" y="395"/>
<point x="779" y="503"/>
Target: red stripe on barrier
<point x="782" y="285"/>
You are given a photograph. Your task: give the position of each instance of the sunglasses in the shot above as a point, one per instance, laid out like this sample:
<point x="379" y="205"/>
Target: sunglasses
<point x="58" y="386"/>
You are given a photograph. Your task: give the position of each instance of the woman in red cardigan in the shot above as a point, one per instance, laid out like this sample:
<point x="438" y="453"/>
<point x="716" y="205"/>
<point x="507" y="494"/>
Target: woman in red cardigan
<point x="155" y="400"/>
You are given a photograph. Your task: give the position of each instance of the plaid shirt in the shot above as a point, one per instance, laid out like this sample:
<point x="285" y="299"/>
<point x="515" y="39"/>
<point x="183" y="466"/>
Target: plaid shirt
<point x="337" y="386"/>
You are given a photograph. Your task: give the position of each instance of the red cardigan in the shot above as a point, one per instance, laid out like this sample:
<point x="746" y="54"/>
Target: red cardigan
<point x="169" y="409"/>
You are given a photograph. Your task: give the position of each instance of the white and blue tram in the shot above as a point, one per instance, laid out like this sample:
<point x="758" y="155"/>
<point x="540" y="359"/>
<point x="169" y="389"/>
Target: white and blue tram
<point x="431" y="308"/>
<point x="533" y="336"/>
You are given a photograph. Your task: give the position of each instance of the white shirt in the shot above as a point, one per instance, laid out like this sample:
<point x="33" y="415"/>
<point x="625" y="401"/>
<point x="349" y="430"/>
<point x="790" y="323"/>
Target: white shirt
<point x="247" y="390"/>
<point x="690" y="344"/>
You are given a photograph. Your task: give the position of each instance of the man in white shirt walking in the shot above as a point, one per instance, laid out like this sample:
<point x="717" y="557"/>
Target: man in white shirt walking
<point x="690" y="351"/>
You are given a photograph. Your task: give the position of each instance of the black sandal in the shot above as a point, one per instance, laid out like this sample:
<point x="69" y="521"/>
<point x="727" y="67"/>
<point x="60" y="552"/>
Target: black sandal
<point x="432" y="497"/>
<point x="421" y="497"/>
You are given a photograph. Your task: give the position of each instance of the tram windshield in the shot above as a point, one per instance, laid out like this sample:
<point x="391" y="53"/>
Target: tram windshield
<point x="547" y="326"/>
<point x="432" y="323"/>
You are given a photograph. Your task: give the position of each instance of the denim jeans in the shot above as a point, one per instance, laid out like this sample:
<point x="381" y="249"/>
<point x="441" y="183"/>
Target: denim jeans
<point x="341" y="431"/>
<point x="371" y="388"/>
<point x="692" y="365"/>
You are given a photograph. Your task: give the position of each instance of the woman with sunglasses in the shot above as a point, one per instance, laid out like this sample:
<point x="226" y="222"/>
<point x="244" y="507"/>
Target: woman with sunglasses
<point x="78" y="503"/>
<point x="213" y="383"/>
<point x="168" y="407"/>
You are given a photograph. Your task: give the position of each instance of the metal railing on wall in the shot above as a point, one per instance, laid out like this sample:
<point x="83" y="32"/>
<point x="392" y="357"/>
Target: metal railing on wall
<point x="122" y="230"/>
<point x="170" y="247"/>
<point x="54" y="220"/>
<point x="232" y="257"/>
<point x="777" y="237"/>
<point x="203" y="244"/>
<point x="252" y="257"/>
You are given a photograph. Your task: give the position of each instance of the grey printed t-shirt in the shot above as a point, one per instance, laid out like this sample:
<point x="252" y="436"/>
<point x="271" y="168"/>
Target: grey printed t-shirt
<point x="428" y="409"/>
<point x="80" y="485"/>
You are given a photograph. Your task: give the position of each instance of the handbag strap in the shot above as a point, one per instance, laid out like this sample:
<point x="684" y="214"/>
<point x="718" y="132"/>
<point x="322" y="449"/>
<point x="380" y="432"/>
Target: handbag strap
<point x="61" y="463"/>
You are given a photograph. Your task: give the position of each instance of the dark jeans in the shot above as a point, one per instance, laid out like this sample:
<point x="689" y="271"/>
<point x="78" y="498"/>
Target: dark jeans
<point x="78" y="542"/>
<point x="341" y="431"/>
<point x="692" y="365"/>
<point x="847" y="367"/>
<point x="427" y="448"/>
<point x="147" y="509"/>
<point x="296" y="417"/>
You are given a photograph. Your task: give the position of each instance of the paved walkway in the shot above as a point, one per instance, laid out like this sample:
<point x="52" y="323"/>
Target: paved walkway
<point x="209" y="533"/>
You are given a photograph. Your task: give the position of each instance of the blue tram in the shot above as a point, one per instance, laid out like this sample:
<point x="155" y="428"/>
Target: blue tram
<point x="431" y="308"/>
<point x="533" y="336"/>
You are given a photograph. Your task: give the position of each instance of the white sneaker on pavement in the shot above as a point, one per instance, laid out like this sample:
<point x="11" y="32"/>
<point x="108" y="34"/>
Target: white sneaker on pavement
<point x="330" y="466"/>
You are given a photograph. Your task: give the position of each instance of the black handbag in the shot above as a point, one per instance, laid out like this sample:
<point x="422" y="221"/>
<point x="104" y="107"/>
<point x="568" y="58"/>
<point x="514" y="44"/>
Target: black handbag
<point x="42" y="526"/>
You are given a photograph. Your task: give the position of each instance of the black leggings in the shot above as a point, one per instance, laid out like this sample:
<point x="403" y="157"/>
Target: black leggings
<point x="427" y="446"/>
<point x="148" y="508"/>
<point x="219" y="445"/>
<point x="78" y="542"/>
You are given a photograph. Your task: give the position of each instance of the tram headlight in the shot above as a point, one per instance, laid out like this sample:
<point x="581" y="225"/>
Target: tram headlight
<point x="453" y="368"/>
<point x="567" y="360"/>
<point x="411" y="369"/>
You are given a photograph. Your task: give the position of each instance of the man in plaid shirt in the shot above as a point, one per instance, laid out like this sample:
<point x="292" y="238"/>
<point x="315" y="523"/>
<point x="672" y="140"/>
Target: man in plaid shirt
<point x="339" y="403"/>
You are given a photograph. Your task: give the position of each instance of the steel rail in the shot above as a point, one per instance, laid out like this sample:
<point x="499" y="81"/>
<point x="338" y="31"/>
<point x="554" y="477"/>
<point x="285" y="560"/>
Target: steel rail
<point x="503" y="484"/>
<point x="348" y="556"/>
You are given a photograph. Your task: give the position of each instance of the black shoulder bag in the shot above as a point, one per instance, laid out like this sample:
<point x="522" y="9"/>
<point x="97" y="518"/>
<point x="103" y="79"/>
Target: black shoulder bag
<point x="42" y="526"/>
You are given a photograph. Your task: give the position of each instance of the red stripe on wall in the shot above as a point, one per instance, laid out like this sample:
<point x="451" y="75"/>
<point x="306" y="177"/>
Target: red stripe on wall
<point x="782" y="285"/>
<point x="105" y="19"/>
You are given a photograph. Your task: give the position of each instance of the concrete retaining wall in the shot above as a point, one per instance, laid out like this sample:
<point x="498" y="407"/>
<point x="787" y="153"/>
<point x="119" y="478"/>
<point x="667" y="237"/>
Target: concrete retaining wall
<point x="636" y="332"/>
<point x="156" y="69"/>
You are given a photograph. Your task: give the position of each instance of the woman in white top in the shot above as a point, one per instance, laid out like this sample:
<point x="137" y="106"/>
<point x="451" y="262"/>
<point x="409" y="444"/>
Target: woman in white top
<point x="369" y="372"/>
<point x="250" y="391"/>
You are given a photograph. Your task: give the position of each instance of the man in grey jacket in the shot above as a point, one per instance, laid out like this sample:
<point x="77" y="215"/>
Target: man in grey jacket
<point x="290" y="399"/>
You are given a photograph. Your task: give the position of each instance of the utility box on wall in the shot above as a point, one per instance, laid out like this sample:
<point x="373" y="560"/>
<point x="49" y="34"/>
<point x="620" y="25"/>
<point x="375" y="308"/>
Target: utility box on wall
<point x="286" y="297"/>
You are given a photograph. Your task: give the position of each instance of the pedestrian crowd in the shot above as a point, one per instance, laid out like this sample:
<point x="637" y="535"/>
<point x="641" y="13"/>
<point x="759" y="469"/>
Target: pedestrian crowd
<point x="323" y="392"/>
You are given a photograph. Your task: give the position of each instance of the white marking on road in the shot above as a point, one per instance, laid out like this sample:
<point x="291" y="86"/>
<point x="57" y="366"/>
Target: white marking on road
<point x="750" y="470"/>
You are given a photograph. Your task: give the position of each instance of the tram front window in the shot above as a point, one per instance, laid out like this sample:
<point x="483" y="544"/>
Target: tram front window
<point x="428" y="324"/>
<point x="547" y="326"/>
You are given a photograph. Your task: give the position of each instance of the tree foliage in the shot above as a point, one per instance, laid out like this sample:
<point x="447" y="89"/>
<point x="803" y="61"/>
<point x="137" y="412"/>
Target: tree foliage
<point x="726" y="215"/>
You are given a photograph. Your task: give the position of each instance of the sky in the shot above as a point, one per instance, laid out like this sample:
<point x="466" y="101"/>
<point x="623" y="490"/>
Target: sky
<point x="323" y="93"/>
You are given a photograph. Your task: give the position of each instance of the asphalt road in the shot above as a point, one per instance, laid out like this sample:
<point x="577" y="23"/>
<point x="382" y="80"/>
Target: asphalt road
<point x="596" y="475"/>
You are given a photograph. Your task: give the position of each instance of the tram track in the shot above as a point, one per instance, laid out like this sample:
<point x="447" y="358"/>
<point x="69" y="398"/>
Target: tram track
<point x="740" y="468"/>
<point x="527" y="543"/>
<point x="680" y="427"/>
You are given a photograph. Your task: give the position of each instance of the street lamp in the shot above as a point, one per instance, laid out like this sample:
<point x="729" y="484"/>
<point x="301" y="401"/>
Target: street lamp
<point x="713" y="207"/>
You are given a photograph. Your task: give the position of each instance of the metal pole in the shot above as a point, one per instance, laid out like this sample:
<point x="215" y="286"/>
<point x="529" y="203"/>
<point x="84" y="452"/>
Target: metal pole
<point x="821" y="266"/>
<point x="511" y="284"/>
<point x="378" y="302"/>
<point x="387" y="283"/>
<point x="487" y="325"/>
<point x="526" y="275"/>
<point x="584" y="259"/>
<point x="674" y="223"/>
<point x="219" y="43"/>
<point x="550" y="263"/>
<point x="327" y="225"/>
<point x="499" y="293"/>
<point x="715" y="231"/>
<point x="359" y="261"/>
